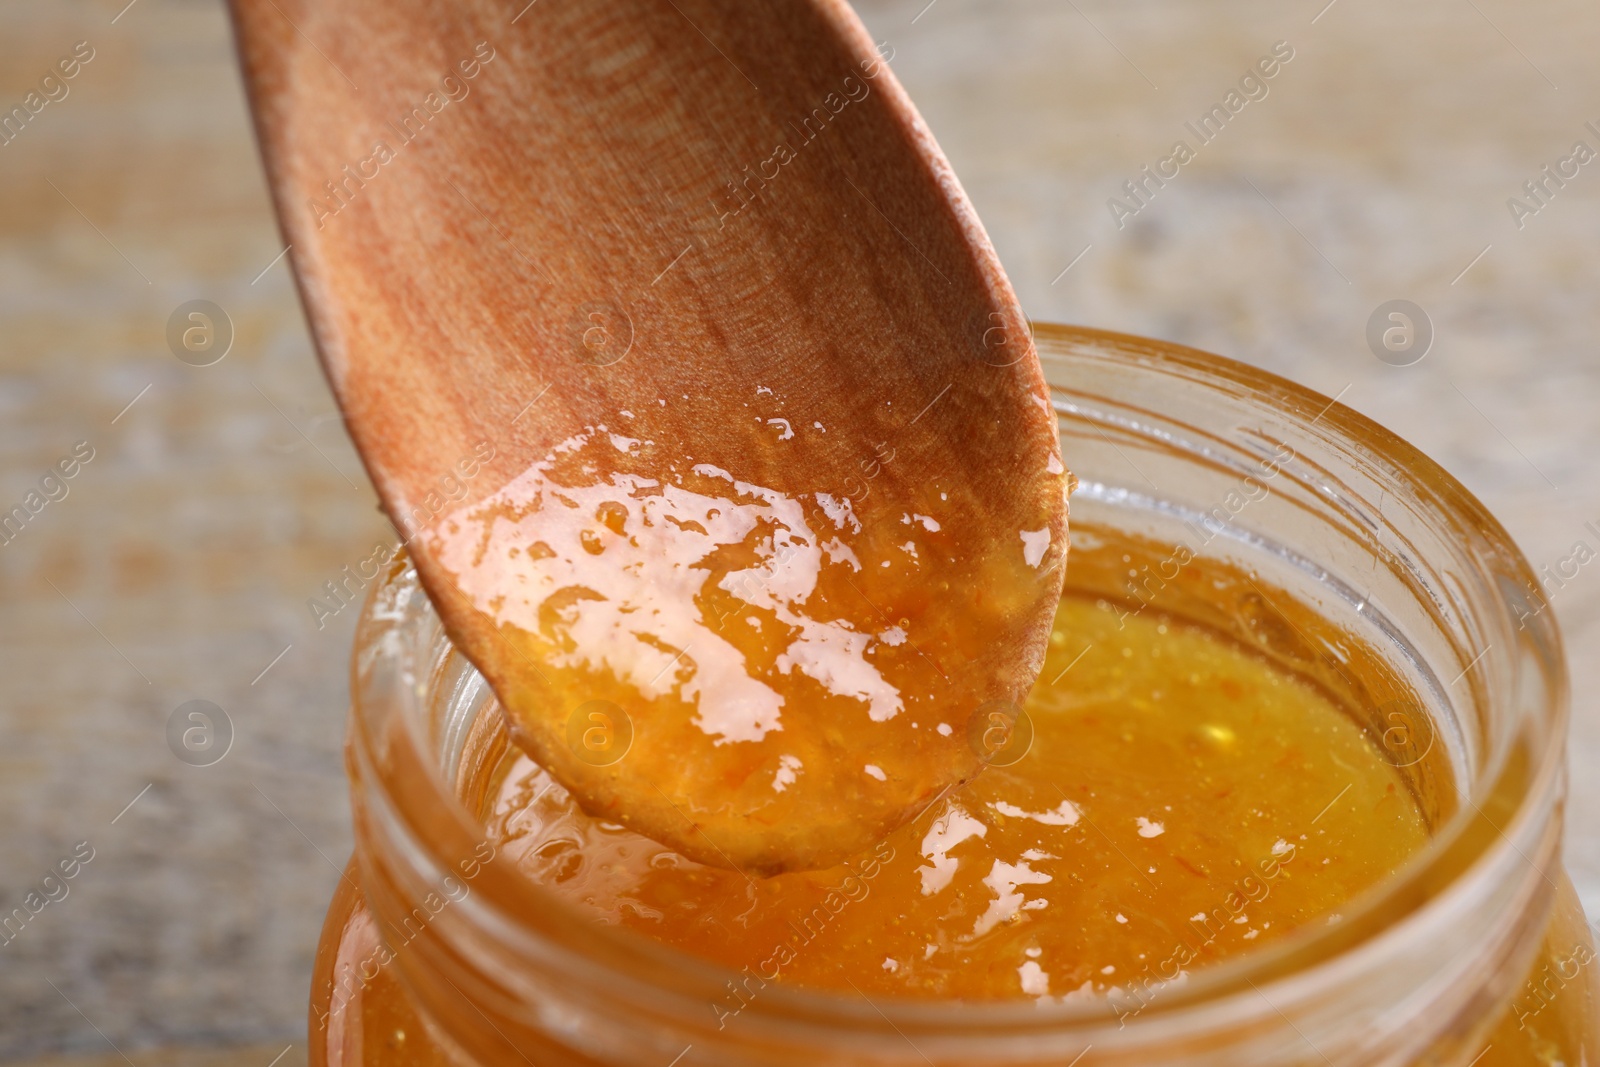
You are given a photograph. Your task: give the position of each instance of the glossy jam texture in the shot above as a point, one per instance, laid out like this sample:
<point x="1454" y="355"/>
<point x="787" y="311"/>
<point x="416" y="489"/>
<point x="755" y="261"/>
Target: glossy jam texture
<point x="1181" y="801"/>
<point x="765" y="680"/>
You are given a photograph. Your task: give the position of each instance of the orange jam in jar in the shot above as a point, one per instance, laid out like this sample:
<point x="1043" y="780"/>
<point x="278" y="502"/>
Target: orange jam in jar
<point x="1179" y="801"/>
<point x="1245" y="816"/>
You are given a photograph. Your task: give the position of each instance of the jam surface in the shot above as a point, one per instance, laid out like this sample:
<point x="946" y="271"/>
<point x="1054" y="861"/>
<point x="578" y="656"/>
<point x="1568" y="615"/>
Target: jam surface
<point x="1180" y="801"/>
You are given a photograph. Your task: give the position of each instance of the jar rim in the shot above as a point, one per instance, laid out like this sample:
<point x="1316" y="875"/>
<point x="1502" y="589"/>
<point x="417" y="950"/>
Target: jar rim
<point x="1521" y="788"/>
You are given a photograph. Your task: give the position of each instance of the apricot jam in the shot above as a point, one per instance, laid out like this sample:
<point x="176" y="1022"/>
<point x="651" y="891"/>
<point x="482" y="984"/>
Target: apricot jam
<point x="1180" y="800"/>
<point x="790" y="673"/>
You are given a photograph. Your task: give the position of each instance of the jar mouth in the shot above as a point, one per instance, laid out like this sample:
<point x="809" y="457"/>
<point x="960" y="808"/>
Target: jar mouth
<point x="1445" y="560"/>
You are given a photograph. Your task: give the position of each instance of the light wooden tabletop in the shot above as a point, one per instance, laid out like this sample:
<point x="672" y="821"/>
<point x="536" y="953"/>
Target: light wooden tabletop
<point x="219" y="498"/>
<point x="278" y="1055"/>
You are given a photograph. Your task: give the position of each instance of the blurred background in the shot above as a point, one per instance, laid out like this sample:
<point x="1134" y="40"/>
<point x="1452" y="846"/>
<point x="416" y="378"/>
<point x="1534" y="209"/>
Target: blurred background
<point x="218" y="499"/>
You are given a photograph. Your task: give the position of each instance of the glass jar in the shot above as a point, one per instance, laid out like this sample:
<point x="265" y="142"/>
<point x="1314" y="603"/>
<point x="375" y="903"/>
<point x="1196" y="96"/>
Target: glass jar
<point x="1328" y="545"/>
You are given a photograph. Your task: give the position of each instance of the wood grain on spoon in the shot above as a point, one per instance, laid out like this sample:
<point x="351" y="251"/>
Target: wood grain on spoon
<point x="672" y="343"/>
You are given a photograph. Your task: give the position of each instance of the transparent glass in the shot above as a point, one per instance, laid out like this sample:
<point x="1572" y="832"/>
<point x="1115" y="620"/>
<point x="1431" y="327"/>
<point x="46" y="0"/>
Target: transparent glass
<point x="1321" y="540"/>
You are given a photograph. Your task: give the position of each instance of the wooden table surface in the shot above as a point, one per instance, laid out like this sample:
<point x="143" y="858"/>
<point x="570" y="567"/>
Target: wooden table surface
<point x="220" y="498"/>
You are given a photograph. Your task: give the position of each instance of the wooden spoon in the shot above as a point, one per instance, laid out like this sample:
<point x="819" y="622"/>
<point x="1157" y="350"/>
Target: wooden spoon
<point x="674" y="348"/>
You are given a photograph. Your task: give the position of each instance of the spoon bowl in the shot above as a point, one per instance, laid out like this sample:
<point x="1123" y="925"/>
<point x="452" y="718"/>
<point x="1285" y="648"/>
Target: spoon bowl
<point x="678" y="356"/>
